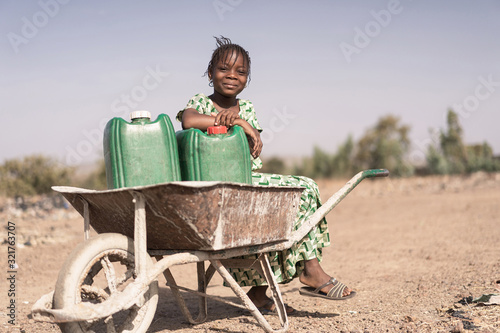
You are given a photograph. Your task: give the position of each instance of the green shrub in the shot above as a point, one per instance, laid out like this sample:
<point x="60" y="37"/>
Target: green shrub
<point x="274" y="165"/>
<point x="31" y="175"/>
<point x="436" y="162"/>
<point x="97" y="179"/>
<point x="452" y="156"/>
<point x="342" y="161"/>
<point x="480" y="157"/>
<point x="385" y="146"/>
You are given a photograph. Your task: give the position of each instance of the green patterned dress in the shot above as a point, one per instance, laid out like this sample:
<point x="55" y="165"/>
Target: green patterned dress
<point x="288" y="264"/>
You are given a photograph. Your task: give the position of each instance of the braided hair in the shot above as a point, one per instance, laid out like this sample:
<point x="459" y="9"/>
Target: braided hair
<point x="225" y="49"/>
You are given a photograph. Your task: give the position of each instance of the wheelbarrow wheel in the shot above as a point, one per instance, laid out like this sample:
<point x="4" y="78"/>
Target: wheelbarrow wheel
<point x="97" y="268"/>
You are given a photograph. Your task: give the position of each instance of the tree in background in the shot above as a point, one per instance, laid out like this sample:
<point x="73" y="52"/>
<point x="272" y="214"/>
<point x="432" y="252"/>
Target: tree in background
<point x="480" y="157"/>
<point x="452" y="156"/>
<point x="452" y="146"/>
<point x="436" y="162"/>
<point x="274" y="165"/>
<point x="322" y="165"/>
<point x="32" y="175"/>
<point x="342" y="161"/>
<point x="385" y="146"/>
<point x="97" y="179"/>
<point x="304" y="168"/>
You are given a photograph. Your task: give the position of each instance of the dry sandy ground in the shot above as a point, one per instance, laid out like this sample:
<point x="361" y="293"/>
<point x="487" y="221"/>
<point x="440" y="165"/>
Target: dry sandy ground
<point x="413" y="249"/>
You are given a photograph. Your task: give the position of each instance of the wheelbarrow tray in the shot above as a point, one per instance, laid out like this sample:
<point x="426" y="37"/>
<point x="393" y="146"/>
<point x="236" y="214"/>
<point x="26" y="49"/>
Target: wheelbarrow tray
<point x="198" y="215"/>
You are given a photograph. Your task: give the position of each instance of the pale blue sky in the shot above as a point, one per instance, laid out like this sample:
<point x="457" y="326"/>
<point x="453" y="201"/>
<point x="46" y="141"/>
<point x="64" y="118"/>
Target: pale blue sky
<point x="321" y="70"/>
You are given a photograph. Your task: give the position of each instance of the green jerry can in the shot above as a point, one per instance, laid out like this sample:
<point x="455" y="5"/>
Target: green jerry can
<point x="218" y="155"/>
<point x="142" y="152"/>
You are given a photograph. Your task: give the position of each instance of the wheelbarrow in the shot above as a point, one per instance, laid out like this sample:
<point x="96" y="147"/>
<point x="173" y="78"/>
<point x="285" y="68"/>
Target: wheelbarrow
<point x="109" y="282"/>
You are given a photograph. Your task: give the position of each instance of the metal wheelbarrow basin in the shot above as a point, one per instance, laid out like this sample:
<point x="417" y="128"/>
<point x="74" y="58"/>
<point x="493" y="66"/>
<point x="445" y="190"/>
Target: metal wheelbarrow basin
<point x="206" y="216"/>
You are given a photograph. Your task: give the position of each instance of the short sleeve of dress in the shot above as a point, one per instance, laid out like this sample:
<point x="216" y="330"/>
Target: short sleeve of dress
<point x="247" y="112"/>
<point x="199" y="102"/>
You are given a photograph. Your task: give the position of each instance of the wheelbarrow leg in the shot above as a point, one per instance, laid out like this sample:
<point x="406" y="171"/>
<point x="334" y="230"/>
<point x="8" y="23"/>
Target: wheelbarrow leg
<point x="202" y="288"/>
<point x="140" y="234"/>
<point x="275" y="292"/>
<point x="86" y="219"/>
<point x="264" y="262"/>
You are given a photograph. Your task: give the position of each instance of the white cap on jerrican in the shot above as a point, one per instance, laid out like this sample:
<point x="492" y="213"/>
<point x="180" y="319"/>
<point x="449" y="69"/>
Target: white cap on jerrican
<point x="140" y="114"/>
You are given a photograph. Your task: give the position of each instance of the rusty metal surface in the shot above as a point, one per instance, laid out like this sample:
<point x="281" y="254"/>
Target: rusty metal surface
<point x="206" y="216"/>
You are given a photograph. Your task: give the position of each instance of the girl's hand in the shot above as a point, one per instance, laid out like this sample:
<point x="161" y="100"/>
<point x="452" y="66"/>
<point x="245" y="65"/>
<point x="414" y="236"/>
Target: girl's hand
<point x="226" y="118"/>
<point x="255" y="143"/>
<point x="253" y="136"/>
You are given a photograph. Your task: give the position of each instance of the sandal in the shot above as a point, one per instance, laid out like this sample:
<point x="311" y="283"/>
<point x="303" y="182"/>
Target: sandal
<point x="333" y="294"/>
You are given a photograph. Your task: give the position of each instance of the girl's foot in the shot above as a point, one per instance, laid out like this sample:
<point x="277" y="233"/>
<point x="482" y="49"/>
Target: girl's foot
<point x="265" y="304"/>
<point x="336" y="292"/>
<point x="314" y="276"/>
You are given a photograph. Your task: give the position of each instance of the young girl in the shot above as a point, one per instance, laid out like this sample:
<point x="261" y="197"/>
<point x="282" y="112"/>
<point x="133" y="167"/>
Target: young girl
<point x="229" y="73"/>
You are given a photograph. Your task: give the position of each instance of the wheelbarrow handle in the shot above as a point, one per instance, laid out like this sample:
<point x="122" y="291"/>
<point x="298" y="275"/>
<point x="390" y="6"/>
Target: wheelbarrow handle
<point x="375" y="173"/>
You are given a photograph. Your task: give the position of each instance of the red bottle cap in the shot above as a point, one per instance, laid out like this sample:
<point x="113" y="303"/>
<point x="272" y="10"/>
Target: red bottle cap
<point x="217" y="130"/>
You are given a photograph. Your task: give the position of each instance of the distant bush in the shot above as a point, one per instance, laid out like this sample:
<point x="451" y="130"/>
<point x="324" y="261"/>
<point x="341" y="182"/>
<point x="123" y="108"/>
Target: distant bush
<point x="385" y="146"/>
<point x="321" y="164"/>
<point x="452" y="156"/>
<point x="452" y="145"/>
<point x="303" y="168"/>
<point x="480" y="158"/>
<point x="32" y="175"/>
<point x="343" y="160"/>
<point x="97" y="179"/>
<point x="274" y="165"/>
<point x="436" y="162"/>
<point x="325" y="165"/>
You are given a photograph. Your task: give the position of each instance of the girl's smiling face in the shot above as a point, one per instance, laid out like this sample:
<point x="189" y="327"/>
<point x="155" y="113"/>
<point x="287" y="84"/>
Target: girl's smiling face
<point x="230" y="75"/>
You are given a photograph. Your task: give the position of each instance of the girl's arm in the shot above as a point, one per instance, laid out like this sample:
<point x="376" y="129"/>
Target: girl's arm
<point x="192" y="119"/>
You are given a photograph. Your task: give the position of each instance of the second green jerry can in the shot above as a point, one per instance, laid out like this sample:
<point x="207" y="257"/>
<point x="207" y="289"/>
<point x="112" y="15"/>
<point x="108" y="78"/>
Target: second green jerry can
<point x="142" y="152"/>
<point x="218" y="156"/>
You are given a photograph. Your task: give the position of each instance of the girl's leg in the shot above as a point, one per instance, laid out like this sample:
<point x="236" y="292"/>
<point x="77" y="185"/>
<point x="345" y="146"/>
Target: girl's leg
<point x="313" y="275"/>
<point x="258" y="296"/>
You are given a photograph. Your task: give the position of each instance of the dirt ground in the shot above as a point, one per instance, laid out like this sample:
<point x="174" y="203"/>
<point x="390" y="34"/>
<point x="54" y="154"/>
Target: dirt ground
<point x="416" y="251"/>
